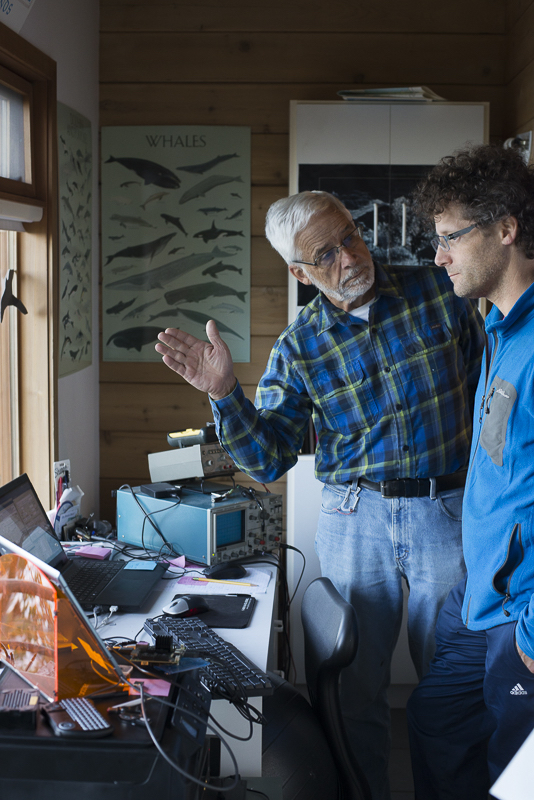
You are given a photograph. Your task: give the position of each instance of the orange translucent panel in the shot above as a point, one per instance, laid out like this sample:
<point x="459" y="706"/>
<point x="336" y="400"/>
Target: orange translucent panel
<point x="46" y="638"/>
<point x="27" y="622"/>
<point x="83" y="665"/>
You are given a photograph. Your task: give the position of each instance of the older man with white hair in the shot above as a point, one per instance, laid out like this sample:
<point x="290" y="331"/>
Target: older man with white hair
<point x="385" y="360"/>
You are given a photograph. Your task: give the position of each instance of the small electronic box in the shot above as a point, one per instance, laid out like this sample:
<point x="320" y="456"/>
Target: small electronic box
<point x="196" y="453"/>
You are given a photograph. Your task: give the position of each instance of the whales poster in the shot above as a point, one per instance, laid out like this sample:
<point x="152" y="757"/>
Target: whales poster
<point x="75" y="169"/>
<point x="175" y="236"/>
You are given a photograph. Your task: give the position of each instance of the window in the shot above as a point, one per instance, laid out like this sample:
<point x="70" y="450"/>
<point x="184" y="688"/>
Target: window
<point x="15" y="128"/>
<point x="28" y="246"/>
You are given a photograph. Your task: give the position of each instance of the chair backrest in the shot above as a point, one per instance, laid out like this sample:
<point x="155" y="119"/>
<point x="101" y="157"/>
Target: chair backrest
<point x="330" y="645"/>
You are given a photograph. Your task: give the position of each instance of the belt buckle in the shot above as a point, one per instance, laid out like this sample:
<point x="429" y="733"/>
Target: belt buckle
<point x="384" y="489"/>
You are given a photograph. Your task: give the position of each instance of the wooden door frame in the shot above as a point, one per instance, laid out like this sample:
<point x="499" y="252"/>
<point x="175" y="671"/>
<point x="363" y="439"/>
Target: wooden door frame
<point x="38" y="264"/>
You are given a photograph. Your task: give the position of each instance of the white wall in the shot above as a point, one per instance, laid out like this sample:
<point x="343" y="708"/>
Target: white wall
<point x="68" y="32"/>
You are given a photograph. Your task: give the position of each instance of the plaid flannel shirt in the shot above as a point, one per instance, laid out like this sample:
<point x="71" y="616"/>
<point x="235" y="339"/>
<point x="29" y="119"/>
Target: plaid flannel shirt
<point x="391" y="398"/>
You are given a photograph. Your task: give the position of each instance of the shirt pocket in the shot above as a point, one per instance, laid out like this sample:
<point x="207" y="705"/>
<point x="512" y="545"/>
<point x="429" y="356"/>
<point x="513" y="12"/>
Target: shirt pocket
<point x="496" y="413"/>
<point x="430" y="356"/>
<point x="343" y="398"/>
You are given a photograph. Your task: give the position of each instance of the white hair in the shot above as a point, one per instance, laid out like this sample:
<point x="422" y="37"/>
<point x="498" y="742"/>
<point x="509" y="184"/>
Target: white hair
<point x="287" y="217"/>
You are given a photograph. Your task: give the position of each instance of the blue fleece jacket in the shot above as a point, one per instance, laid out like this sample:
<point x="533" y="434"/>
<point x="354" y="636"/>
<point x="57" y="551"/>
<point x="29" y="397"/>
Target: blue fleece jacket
<point x="498" y="511"/>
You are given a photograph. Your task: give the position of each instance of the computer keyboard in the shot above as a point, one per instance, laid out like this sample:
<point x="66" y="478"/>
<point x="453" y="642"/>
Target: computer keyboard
<point x="77" y="717"/>
<point x="228" y="671"/>
<point x="86" y="578"/>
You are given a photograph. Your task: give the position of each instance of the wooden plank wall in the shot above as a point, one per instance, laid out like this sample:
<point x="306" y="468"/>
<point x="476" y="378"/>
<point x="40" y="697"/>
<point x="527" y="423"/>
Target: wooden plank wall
<point x="519" y="69"/>
<point x="240" y="62"/>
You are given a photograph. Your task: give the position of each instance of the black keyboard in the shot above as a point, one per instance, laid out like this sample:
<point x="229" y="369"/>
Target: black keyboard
<point x="77" y="717"/>
<point x="228" y="672"/>
<point x="87" y="577"/>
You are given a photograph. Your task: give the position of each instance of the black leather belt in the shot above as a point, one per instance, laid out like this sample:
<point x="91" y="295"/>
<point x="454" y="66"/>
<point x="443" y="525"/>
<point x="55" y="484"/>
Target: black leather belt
<point x="415" y="487"/>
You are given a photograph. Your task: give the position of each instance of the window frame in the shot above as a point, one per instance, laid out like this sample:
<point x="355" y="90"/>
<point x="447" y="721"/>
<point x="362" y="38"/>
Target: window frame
<point x="37" y="270"/>
<point x="9" y="457"/>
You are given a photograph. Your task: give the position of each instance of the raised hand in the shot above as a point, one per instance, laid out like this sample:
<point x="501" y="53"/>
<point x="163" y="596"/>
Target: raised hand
<point x="207" y="366"/>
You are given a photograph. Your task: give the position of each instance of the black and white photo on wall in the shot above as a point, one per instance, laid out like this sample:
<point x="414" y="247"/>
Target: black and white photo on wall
<point x="378" y="197"/>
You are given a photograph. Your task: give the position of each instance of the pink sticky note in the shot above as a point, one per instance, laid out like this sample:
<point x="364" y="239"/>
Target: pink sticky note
<point x="153" y="686"/>
<point x="94" y="552"/>
<point x="177" y="562"/>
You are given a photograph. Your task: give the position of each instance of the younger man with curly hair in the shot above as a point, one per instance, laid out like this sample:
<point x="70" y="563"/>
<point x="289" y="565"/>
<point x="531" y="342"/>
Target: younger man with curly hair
<point x="475" y="707"/>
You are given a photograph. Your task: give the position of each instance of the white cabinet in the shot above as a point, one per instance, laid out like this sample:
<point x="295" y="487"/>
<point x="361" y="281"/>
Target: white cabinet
<point x="303" y="506"/>
<point x="370" y="155"/>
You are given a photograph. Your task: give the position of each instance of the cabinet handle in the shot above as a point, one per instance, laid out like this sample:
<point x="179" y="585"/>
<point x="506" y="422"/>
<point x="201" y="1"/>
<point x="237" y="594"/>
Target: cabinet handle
<point x="375" y="224"/>
<point x="403" y="235"/>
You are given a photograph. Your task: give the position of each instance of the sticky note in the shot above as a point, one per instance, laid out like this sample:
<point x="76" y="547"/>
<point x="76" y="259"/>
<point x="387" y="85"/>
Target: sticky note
<point x="136" y="563"/>
<point x="94" y="552"/>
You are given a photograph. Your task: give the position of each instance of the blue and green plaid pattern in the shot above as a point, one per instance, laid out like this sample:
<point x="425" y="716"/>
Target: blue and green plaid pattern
<point x="388" y="399"/>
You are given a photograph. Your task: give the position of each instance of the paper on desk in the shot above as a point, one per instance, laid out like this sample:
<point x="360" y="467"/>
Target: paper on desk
<point x="258" y="576"/>
<point x="515" y="783"/>
<point x="154" y="686"/>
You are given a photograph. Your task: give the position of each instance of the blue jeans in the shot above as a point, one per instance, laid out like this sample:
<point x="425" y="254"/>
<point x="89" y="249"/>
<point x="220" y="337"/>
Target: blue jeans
<point x="472" y="711"/>
<point x="367" y="545"/>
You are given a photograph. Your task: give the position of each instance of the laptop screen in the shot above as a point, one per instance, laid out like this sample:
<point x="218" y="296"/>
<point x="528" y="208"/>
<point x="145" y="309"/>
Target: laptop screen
<point x="24" y="522"/>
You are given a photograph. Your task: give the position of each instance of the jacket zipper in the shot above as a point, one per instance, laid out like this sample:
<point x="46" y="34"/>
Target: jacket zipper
<point x="507" y="595"/>
<point x="488" y="404"/>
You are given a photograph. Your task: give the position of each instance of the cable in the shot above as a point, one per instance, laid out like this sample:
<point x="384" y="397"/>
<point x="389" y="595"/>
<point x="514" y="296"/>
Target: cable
<point x="149" y="515"/>
<point x="274" y="561"/>
<point x="173" y="764"/>
<point x="256" y="791"/>
<point x="290" y="547"/>
<point x="100" y="623"/>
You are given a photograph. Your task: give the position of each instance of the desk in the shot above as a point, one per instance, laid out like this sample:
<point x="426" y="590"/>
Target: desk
<point x="254" y="642"/>
<point x="125" y="766"/>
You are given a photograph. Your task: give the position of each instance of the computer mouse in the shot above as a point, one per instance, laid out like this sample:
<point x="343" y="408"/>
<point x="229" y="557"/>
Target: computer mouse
<point x="223" y="572"/>
<point x="186" y="605"/>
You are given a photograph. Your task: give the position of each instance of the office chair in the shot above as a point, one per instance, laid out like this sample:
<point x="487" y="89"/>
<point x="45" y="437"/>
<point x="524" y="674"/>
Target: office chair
<point x="305" y="745"/>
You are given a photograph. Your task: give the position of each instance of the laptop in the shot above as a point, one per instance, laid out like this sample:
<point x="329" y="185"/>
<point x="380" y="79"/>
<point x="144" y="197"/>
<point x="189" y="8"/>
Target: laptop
<point x="24" y="523"/>
<point x="83" y="662"/>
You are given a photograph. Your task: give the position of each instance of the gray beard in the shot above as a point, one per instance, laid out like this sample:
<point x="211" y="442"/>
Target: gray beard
<point x="345" y="293"/>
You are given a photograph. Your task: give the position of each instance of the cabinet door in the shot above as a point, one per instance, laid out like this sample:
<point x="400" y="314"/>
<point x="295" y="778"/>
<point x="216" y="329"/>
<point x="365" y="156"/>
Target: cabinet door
<point x="424" y="133"/>
<point x="337" y="133"/>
